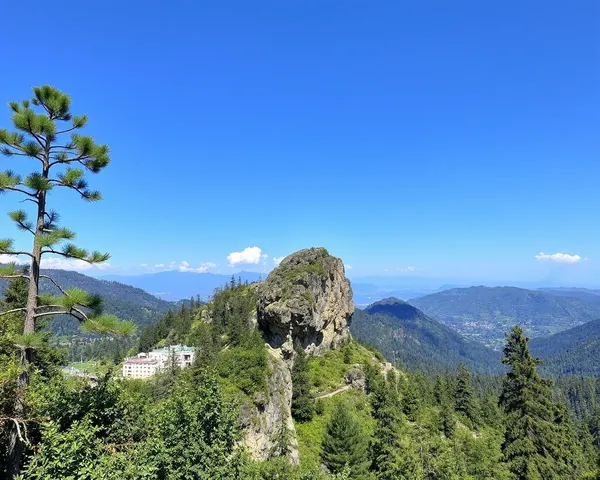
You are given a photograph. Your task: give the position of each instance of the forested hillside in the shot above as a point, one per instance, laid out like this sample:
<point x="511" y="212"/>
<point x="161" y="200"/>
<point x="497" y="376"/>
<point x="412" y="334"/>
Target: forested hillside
<point x="124" y="301"/>
<point x="484" y="314"/>
<point x="571" y="352"/>
<point x="417" y="342"/>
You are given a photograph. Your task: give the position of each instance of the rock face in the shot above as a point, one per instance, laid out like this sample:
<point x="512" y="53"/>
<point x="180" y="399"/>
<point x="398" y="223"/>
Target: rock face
<point x="269" y="429"/>
<point x="307" y="298"/>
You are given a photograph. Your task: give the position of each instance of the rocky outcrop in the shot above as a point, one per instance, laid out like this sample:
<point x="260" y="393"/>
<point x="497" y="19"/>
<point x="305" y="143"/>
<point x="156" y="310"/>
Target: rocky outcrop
<point x="308" y="299"/>
<point x="269" y="429"/>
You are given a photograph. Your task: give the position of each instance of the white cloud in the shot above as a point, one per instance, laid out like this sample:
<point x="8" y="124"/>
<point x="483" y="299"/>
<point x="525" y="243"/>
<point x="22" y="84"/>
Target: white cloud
<point x="203" y="268"/>
<point x="406" y="269"/>
<point x="159" y="265"/>
<point x="144" y="265"/>
<point x="348" y="267"/>
<point x="560" y="257"/>
<point x="13" y="259"/>
<point x="250" y="255"/>
<point x="277" y="260"/>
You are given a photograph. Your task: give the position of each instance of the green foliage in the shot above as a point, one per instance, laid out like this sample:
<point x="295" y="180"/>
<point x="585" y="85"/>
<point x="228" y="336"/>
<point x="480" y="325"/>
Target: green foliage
<point x="345" y="445"/>
<point x="574" y="351"/>
<point x="535" y="430"/>
<point x="303" y="403"/>
<point x="464" y="402"/>
<point x="245" y="367"/>
<point x="386" y="449"/>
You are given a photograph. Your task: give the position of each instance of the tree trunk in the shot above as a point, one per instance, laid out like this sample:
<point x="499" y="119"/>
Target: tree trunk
<point x="15" y="444"/>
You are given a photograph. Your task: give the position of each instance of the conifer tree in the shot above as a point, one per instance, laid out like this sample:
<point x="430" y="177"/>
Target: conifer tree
<point x="345" y="444"/>
<point x="47" y="133"/>
<point x="303" y="403"/>
<point x="464" y="402"/>
<point x="532" y="444"/>
<point x="386" y="448"/>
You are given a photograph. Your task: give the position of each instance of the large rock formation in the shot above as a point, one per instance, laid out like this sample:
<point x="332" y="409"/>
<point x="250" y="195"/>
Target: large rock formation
<point x="270" y="424"/>
<point x="307" y="298"/>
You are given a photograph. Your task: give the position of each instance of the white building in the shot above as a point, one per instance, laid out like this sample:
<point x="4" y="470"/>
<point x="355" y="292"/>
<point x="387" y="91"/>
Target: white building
<point x="145" y="365"/>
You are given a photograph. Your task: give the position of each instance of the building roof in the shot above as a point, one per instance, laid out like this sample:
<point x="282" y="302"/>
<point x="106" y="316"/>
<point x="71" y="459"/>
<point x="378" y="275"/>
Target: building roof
<point x="175" y="348"/>
<point x="141" y="361"/>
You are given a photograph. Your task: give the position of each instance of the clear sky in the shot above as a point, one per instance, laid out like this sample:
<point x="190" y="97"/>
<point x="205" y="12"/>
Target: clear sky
<point x="430" y="138"/>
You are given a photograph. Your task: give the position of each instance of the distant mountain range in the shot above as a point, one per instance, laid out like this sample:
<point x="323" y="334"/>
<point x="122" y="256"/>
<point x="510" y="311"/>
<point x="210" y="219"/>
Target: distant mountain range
<point x="175" y="285"/>
<point x="484" y="314"/>
<point x="405" y="334"/>
<point x="124" y="301"/>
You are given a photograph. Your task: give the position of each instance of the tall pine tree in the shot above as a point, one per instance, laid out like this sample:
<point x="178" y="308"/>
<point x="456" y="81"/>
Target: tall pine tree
<point x="464" y="401"/>
<point x="47" y="132"/>
<point x="386" y="448"/>
<point x="345" y="444"/>
<point x="303" y="403"/>
<point x="534" y="434"/>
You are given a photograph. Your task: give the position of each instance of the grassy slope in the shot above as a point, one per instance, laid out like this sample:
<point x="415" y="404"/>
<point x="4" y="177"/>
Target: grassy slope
<point x="326" y="374"/>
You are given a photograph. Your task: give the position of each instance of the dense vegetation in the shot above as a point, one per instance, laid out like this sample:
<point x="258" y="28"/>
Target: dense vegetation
<point x="573" y="351"/>
<point x="413" y="340"/>
<point x="403" y="425"/>
<point x="484" y="314"/>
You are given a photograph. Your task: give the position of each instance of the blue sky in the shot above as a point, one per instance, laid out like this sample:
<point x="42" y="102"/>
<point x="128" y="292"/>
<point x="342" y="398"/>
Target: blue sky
<point x="417" y="138"/>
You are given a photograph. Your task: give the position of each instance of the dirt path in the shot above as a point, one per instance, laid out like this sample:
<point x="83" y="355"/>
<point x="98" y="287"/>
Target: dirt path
<point x="335" y="392"/>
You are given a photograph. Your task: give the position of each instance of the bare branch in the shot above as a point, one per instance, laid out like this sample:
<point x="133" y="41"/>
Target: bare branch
<point x="25" y="227"/>
<point x="15" y="310"/>
<point x="18" y="253"/>
<point x="14" y="189"/>
<point x="58" y="183"/>
<point x="55" y="284"/>
<point x="78" y="159"/>
<point x="47" y="314"/>
<point x="66" y="255"/>
<point x="66" y="131"/>
<point x="14" y="276"/>
<point x="22" y="150"/>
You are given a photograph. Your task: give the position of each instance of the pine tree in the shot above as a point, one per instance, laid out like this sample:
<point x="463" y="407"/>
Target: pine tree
<point x="345" y="444"/>
<point x="464" y="402"/>
<point x="532" y="444"/>
<point x="303" y="403"/>
<point x="410" y="401"/>
<point x="386" y="447"/>
<point x="50" y="138"/>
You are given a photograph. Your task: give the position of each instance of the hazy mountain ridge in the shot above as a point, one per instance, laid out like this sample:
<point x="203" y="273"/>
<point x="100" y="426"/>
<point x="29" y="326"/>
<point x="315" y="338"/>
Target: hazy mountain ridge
<point x="402" y="332"/>
<point x="174" y="285"/>
<point x="484" y="314"/>
<point x="573" y="351"/>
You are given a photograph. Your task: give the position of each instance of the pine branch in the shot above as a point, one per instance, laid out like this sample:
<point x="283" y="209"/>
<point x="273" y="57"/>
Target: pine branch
<point x="14" y="310"/>
<point x="48" y="277"/>
<point x="7" y="252"/>
<point x="71" y="251"/>
<point x="14" y="189"/>
<point x="47" y="314"/>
